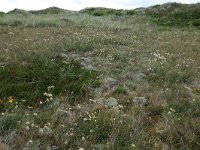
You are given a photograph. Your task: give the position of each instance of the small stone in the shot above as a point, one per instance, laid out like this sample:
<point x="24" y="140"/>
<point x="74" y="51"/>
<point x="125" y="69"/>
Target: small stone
<point x="54" y="147"/>
<point x="90" y="67"/>
<point x="65" y="117"/>
<point x="140" y="101"/>
<point x="111" y="102"/>
<point x="111" y="80"/>
<point x="98" y="92"/>
<point x="99" y="147"/>
<point x="11" y="33"/>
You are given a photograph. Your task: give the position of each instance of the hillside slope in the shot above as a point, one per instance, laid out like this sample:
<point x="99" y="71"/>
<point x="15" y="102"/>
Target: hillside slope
<point x="80" y="80"/>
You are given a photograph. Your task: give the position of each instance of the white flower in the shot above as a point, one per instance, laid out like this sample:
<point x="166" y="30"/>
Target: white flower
<point x="27" y="123"/>
<point x="35" y="114"/>
<point x="62" y="125"/>
<point x="171" y="109"/>
<point x="16" y="106"/>
<point x="30" y="141"/>
<point x="83" y="138"/>
<point x="29" y="107"/>
<point x="71" y="134"/>
<point x="51" y="87"/>
<point x="41" y="130"/>
<point x="78" y="106"/>
<point x="81" y="148"/>
<point x="45" y="127"/>
<point x="32" y="125"/>
<point x="121" y="106"/>
<point x="50" y="95"/>
<point x="85" y="119"/>
<point x="27" y="128"/>
<point x="132" y="145"/>
<point x="66" y="142"/>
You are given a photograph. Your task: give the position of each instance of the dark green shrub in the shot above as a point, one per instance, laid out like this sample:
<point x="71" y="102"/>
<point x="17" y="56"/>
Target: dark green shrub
<point x="50" y="10"/>
<point x="174" y="14"/>
<point x="131" y="12"/>
<point x="30" y="81"/>
<point x="2" y="13"/>
<point x="103" y="11"/>
<point x="16" y="23"/>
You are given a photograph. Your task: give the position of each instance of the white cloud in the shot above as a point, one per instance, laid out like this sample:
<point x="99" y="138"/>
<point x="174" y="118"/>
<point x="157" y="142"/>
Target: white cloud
<point x="7" y="5"/>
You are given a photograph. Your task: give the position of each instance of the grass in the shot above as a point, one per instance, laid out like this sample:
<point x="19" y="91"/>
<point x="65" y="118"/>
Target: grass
<point x="120" y="90"/>
<point x="174" y="14"/>
<point x="57" y="67"/>
<point x="29" y="20"/>
<point x="8" y="123"/>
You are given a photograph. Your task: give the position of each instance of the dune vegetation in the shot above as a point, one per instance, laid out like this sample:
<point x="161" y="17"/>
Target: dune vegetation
<point x="100" y="79"/>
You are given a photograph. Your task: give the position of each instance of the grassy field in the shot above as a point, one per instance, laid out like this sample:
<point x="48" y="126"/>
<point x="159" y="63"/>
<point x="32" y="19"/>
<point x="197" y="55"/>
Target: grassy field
<point x="100" y="79"/>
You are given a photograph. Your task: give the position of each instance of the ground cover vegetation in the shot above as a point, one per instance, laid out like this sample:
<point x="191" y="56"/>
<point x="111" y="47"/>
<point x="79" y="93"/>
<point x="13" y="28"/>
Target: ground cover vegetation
<point x="100" y="78"/>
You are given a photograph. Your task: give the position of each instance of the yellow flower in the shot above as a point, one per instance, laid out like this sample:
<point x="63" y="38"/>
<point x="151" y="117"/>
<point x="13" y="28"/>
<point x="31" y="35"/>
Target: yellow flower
<point x="10" y="99"/>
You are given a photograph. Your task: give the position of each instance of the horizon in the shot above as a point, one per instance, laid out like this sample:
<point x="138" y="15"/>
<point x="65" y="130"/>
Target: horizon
<point x="76" y="5"/>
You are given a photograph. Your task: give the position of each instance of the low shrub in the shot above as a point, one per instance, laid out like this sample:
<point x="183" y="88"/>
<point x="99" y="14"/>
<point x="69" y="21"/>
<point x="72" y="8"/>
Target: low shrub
<point x="30" y="81"/>
<point x="175" y="14"/>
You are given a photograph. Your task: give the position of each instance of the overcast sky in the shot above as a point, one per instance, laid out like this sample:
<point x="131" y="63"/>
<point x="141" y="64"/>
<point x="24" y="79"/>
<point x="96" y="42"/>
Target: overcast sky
<point x="7" y="5"/>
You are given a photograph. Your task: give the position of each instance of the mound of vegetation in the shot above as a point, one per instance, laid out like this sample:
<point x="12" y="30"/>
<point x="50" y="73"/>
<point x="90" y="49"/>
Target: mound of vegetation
<point x="107" y="11"/>
<point x="50" y="10"/>
<point x="18" y="11"/>
<point x="29" y="82"/>
<point x="175" y="14"/>
<point x="1" y="13"/>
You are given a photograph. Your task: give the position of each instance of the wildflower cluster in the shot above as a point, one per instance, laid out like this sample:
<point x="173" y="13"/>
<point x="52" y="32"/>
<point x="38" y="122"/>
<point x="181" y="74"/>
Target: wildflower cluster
<point x="48" y="95"/>
<point x="8" y="104"/>
<point x="10" y="99"/>
<point x="196" y="90"/>
<point x="158" y="57"/>
<point x="171" y="110"/>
